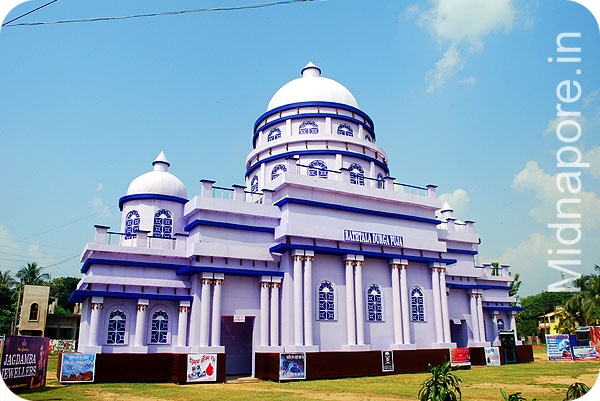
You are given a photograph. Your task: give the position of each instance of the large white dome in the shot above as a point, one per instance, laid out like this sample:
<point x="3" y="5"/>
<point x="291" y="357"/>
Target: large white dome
<point x="159" y="181"/>
<point x="312" y="87"/>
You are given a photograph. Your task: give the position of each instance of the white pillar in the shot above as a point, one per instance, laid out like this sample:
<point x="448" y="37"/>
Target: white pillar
<point x="184" y="308"/>
<point x="444" y="295"/>
<point x="404" y="302"/>
<point x="195" y="292"/>
<point x="437" y="307"/>
<point x="513" y="325"/>
<point x="298" y="332"/>
<point x="215" y="333"/>
<point x="474" y="320"/>
<point x="350" y="302"/>
<point x="95" y="305"/>
<point x="140" y="322"/>
<point x="308" y="304"/>
<point x="360" y="305"/>
<point x="396" y="304"/>
<point x="264" y="313"/>
<point x="205" y="311"/>
<point x="495" y="328"/>
<point x="480" y="317"/>
<point x="275" y="314"/>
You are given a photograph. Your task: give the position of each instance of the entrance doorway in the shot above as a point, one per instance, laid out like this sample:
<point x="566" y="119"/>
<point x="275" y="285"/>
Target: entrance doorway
<point x="458" y="332"/>
<point x="237" y="339"/>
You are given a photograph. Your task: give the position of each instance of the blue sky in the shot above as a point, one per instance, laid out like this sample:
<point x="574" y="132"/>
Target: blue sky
<point x="462" y="97"/>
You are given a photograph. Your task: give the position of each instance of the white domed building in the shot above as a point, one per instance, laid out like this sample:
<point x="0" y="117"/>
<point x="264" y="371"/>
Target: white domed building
<point x="321" y="257"/>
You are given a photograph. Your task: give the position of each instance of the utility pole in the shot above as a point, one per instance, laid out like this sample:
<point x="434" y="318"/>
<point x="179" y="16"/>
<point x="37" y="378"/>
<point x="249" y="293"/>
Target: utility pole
<point x="16" y="323"/>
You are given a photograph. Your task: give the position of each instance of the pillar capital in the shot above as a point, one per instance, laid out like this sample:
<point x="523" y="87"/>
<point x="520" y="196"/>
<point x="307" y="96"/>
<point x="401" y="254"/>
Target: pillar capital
<point x="398" y="261"/>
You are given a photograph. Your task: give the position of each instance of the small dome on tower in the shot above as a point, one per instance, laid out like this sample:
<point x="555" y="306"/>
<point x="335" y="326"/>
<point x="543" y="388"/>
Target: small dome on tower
<point x="312" y="87"/>
<point x="159" y="181"/>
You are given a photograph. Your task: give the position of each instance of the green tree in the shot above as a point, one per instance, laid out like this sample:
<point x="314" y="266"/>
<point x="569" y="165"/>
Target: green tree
<point x="536" y="306"/>
<point x="31" y="274"/>
<point x="515" y="284"/>
<point x="8" y="303"/>
<point x="7" y="280"/>
<point x="61" y="288"/>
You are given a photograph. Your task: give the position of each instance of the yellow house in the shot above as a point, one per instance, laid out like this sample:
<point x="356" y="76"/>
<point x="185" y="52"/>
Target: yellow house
<point x="548" y="323"/>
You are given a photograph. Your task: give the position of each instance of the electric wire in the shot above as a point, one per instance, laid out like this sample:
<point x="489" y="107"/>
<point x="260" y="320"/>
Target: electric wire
<point x="29" y="12"/>
<point x="232" y="8"/>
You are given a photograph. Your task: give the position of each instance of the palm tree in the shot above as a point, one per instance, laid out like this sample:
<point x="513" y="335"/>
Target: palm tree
<point x="31" y="274"/>
<point x="6" y="279"/>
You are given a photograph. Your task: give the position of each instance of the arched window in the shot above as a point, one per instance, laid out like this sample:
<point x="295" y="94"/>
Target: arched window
<point x="34" y="311"/>
<point x="160" y="327"/>
<point x="417" y="305"/>
<point x="374" y="305"/>
<point x="380" y="181"/>
<point x="317" y="168"/>
<point x="275" y="133"/>
<point x="116" y="327"/>
<point x="357" y="174"/>
<point x="163" y="224"/>
<point x="368" y="138"/>
<point x="309" y="127"/>
<point x="326" y="301"/>
<point x="277" y="170"/>
<point x="345" y="129"/>
<point x="254" y="184"/>
<point x="500" y="324"/>
<point x="132" y="224"/>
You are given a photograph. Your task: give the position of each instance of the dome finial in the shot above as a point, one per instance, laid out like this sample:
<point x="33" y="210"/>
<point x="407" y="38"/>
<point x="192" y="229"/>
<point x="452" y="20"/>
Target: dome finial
<point x="161" y="163"/>
<point x="311" y="70"/>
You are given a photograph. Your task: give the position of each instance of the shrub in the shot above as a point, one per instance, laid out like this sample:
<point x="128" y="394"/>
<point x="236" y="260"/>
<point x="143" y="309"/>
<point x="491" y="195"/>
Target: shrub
<point x="575" y="391"/>
<point x="441" y="386"/>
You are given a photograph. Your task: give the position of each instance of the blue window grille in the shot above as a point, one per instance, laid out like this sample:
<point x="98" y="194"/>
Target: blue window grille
<point x="163" y="224"/>
<point x="132" y="224"/>
<point x="500" y="324"/>
<point x="417" y="305"/>
<point x="357" y="174"/>
<point x="317" y="168"/>
<point x="275" y="133"/>
<point x="277" y="170"/>
<point x="160" y="327"/>
<point x="309" y="127"/>
<point x="380" y="181"/>
<point x="368" y="138"/>
<point x="326" y="301"/>
<point x="116" y="327"/>
<point x="374" y="304"/>
<point x="345" y="129"/>
<point x="254" y="184"/>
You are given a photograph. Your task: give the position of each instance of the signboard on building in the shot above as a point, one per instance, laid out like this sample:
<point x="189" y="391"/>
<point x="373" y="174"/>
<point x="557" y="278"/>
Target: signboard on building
<point x="239" y="318"/>
<point x="387" y="361"/>
<point x="595" y="338"/>
<point x="364" y="237"/>
<point x="292" y="366"/>
<point x="24" y="361"/>
<point x="77" y="368"/>
<point x="492" y="356"/>
<point x="57" y="346"/>
<point x="581" y="353"/>
<point x="558" y="347"/>
<point x="460" y="357"/>
<point x="202" y="368"/>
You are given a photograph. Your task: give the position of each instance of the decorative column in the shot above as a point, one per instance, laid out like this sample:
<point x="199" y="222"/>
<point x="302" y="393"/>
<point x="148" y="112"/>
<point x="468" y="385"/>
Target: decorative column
<point x="215" y="333"/>
<point x="184" y="308"/>
<point x="140" y="322"/>
<point x="308" y="299"/>
<point x="513" y="325"/>
<point x="350" y="302"/>
<point x="437" y="307"/>
<point x="480" y="317"/>
<point x="404" y="301"/>
<point x="474" y="320"/>
<point x="396" y="304"/>
<point x="444" y="294"/>
<point x="496" y="331"/>
<point x="360" y="305"/>
<point x="298" y="332"/>
<point x="264" y="312"/>
<point x="96" y="305"/>
<point x="275" y="313"/>
<point x="205" y="309"/>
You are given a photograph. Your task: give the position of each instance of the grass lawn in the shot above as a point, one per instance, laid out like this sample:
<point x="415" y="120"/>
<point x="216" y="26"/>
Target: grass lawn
<point x="541" y="379"/>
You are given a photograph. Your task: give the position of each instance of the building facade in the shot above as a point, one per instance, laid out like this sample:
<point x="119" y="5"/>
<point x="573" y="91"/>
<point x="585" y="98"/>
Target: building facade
<point x="321" y="252"/>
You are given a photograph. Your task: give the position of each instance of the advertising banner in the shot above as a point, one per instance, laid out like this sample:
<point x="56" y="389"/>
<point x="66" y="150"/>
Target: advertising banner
<point x="584" y="354"/>
<point x="558" y="348"/>
<point x="202" y="368"/>
<point x="492" y="356"/>
<point x="24" y="361"/>
<point x="292" y="366"/>
<point x="387" y="361"/>
<point x="595" y="338"/>
<point x="57" y="346"/>
<point x="460" y="357"/>
<point x="77" y="368"/>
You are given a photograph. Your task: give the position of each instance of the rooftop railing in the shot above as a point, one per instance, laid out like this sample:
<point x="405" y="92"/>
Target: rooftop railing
<point x="141" y="239"/>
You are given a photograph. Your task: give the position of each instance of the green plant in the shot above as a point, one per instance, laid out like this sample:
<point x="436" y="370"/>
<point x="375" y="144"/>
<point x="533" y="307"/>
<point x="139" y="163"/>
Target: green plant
<point x="575" y="391"/>
<point x="441" y="386"/>
<point x="514" y="397"/>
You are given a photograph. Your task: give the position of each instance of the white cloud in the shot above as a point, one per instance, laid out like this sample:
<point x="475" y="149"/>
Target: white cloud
<point x="463" y="24"/>
<point x="468" y="81"/>
<point x="591" y="98"/>
<point x="410" y="11"/>
<point x="458" y="200"/>
<point x="99" y="206"/>
<point x="568" y="130"/>
<point x="100" y="187"/>
<point x="592" y="156"/>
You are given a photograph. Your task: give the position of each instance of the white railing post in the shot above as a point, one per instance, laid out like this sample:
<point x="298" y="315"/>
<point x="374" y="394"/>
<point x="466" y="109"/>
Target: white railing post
<point x="431" y="191"/>
<point x="180" y="241"/>
<point x="238" y="192"/>
<point x="100" y="237"/>
<point x="267" y="197"/>
<point x="142" y="239"/>
<point x="207" y="188"/>
<point x="389" y="183"/>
